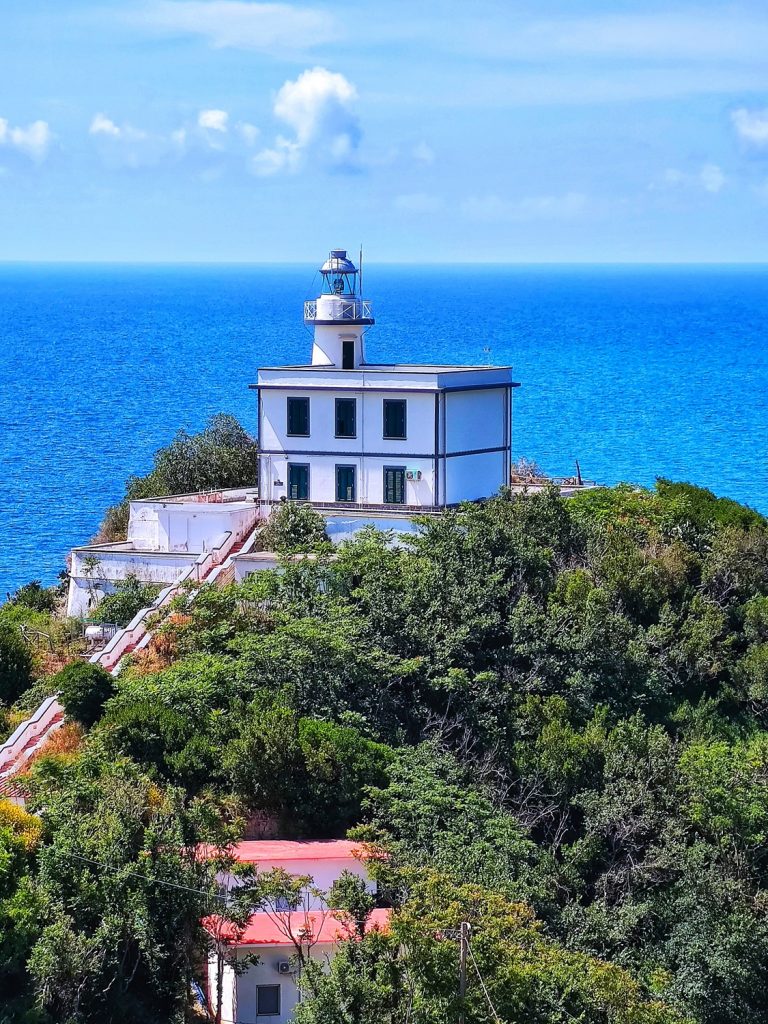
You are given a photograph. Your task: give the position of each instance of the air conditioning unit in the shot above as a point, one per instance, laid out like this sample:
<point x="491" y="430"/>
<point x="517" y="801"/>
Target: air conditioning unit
<point x="284" y="967"/>
<point x="413" y="474"/>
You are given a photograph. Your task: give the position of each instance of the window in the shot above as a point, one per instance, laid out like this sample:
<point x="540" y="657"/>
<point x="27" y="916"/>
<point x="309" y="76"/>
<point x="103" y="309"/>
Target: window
<point x="394" y="485"/>
<point x="298" y="417"/>
<point x="394" y="418"/>
<point x="347" y="355"/>
<point x="346" y="417"/>
<point x="267" y="1000"/>
<point x="298" y="482"/>
<point x="345" y="483"/>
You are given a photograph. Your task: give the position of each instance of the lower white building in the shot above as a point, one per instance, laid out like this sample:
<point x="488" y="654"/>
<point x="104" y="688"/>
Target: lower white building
<point x="269" y="989"/>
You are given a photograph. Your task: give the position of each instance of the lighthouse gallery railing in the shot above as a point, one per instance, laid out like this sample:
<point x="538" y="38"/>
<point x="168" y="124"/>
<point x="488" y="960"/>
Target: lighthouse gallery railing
<point x="347" y="309"/>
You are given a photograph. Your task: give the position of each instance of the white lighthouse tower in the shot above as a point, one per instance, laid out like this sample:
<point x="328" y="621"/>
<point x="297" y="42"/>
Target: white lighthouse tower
<point x="340" y="315"/>
<point x="354" y="436"/>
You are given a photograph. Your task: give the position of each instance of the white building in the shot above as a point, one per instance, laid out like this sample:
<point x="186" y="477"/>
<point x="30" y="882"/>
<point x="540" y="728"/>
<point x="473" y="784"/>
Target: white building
<point x="343" y="432"/>
<point x="268" y="990"/>
<point x="167" y="537"/>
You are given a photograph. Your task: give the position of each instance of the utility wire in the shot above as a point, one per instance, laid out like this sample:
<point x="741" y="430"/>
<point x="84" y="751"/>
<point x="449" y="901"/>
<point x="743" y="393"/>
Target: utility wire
<point x="144" y="878"/>
<point x="482" y="983"/>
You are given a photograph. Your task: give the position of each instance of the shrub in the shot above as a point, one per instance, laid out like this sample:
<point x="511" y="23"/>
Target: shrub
<point x="295" y="528"/>
<point x="35" y="596"/>
<point x="83" y="690"/>
<point x="129" y="597"/>
<point x="15" y="665"/>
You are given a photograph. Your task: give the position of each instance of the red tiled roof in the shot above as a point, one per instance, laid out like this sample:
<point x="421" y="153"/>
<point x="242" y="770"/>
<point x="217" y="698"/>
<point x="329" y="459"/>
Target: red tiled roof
<point x="254" y="850"/>
<point x="330" y="926"/>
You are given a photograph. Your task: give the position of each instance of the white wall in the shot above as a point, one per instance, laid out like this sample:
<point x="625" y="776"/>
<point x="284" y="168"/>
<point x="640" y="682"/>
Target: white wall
<point x="185" y="526"/>
<point x="420" y="425"/>
<point x="469" y="477"/>
<point x="474" y="419"/>
<point x="370" y="477"/>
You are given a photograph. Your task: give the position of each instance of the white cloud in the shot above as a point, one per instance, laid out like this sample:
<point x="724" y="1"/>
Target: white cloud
<point x="423" y="153"/>
<point x="268" y="27"/>
<point x="101" y="125"/>
<point x="417" y="202"/>
<point x="751" y="125"/>
<point x="249" y="133"/>
<point x="317" y="107"/>
<point x="712" y="178"/>
<point x="709" y="177"/>
<point x="492" y="208"/>
<point x="33" y="140"/>
<point x="214" y="120"/>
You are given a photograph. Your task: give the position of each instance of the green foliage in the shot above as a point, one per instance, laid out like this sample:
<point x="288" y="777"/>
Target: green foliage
<point x="83" y="690"/>
<point x="15" y="664"/>
<point x="548" y="718"/>
<point x="220" y="456"/>
<point x="129" y="597"/>
<point x="295" y="528"/>
<point x="35" y="596"/>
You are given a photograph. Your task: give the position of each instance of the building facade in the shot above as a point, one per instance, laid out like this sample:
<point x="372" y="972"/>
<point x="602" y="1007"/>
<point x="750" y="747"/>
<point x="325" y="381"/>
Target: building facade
<point x="268" y="990"/>
<point x="343" y="432"/>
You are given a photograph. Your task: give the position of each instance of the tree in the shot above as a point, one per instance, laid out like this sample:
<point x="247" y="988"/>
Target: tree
<point x="295" y="528"/>
<point x="83" y="690"/>
<point x="128" y="598"/>
<point x="15" y="664"/>
<point x="35" y="596"/>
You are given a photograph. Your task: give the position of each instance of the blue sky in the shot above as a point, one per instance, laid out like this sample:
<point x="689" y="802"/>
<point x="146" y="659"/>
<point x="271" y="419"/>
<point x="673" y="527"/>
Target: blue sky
<point x="485" y="131"/>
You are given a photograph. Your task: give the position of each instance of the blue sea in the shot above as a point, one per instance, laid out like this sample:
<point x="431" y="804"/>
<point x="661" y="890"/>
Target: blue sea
<point x="636" y="371"/>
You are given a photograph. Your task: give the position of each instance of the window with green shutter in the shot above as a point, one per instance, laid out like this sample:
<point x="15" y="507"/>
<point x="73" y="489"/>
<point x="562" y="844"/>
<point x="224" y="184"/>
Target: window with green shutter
<point x="394" y="418"/>
<point x="346" y="417"/>
<point x="298" y="417"/>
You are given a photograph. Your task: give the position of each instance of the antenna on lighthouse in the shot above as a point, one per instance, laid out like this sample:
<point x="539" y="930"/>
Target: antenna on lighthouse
<point x="360" y="279"/>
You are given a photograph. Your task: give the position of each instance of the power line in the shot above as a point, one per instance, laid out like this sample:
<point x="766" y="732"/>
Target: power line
<point x="144" y="878"/>
<point x="482" y="983"/>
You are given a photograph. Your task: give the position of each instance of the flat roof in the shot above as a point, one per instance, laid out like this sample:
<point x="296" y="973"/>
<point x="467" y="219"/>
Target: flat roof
<point x="390" y="367"/>
<point x="252" y="851"/>
<point x="274" y="929"/>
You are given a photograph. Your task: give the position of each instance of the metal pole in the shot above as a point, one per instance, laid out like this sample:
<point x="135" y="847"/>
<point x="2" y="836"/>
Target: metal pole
<point x="463" y="941"/>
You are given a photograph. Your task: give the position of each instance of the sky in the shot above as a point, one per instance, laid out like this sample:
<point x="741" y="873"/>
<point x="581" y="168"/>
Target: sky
<point x="490" y="131"/>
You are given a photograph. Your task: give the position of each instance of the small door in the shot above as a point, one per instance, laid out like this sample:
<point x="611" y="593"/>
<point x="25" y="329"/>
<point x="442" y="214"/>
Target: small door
<point x="345" y="483"/>
<point x="394" y="485"/>
<point x="298" y="482"/>
<point x="347" y="355"/>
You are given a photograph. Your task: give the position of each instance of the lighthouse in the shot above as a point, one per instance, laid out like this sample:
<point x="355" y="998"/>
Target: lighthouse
<point x="339" y="315"/>
<point x="360" y="437"/>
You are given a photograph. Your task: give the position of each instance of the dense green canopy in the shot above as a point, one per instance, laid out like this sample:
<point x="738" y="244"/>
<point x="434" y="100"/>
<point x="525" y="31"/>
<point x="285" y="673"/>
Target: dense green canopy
<point x="550" y="715"/>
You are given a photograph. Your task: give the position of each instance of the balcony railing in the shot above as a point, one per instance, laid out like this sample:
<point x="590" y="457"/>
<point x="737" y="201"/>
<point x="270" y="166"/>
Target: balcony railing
<point x="343" y="309"/>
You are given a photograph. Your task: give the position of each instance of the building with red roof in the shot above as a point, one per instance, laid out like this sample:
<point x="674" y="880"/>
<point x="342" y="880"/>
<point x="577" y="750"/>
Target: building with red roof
<point x="267" y="991"/>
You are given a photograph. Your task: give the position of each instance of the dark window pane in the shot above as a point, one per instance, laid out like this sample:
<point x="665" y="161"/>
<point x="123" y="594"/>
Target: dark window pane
<point x="346" y="417"/>
<point x="298" y="417"/>
<point x="298" y="482"/>
<point x="348" y="355"/>
<point x="268" y="1000"/>
<point x="345" y="483"/>
<point x="394" y="417"/>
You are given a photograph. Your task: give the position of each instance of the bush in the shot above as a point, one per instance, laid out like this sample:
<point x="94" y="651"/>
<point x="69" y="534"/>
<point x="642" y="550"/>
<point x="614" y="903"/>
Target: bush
<point x="130" y="596"/>
<point x="35" y="596"/>
<point x="15" y="665"/>
<point x="295" y="528"/>
<point x="83" y="691"/>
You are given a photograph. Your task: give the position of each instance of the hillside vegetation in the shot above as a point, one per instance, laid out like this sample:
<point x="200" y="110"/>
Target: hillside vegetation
<point x="547" y="717"/>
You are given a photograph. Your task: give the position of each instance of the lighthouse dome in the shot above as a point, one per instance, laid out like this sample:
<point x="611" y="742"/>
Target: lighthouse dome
<point x="338" y="263"/>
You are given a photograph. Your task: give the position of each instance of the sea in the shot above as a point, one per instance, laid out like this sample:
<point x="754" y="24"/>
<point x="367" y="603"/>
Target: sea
<point x="636" y="371"/>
